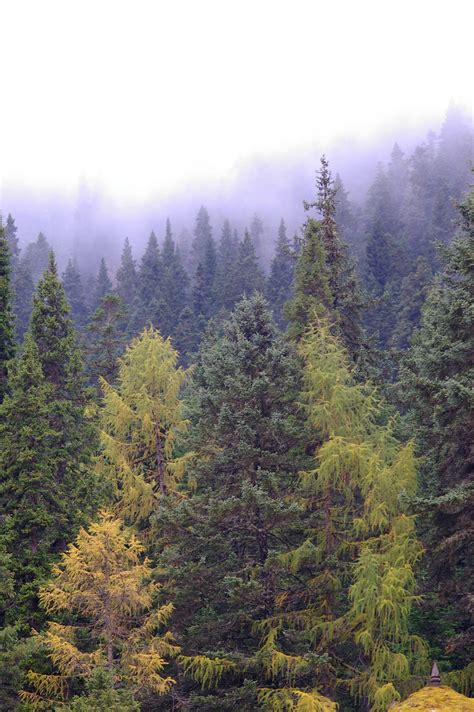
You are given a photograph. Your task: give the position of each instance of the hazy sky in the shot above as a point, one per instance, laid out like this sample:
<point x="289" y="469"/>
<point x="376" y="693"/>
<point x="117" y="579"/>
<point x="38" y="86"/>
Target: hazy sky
<point x="140" y="97"/>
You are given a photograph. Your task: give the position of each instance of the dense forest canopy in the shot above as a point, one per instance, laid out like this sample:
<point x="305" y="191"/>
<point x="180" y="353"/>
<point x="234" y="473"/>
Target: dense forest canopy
<point x="235" y="466"/>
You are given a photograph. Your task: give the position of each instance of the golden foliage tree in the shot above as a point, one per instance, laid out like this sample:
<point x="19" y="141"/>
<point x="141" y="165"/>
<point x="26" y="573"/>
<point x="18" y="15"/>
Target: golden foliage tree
<point x="351" y="582"/>
<point x="103" y="581"/>
<point x="141" y="418"/>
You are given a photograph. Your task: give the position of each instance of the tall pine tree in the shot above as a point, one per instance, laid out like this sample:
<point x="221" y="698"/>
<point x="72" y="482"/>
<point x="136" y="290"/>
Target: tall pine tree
<point x="7" y="330"/>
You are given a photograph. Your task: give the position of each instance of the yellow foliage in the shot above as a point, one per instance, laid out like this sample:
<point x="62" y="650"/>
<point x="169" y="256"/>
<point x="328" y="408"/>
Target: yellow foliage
<point x="141" y="418"/>
<point x="104" y="578"/>
<point x="288" y="699"/>
<point x="206" y="671"/>
<point x="435" y="699"/>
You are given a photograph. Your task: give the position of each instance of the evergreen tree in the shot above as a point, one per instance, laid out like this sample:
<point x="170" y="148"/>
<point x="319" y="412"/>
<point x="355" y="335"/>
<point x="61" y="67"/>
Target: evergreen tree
<point x="106" y="341"/>
<point x="435" y="385"/>
<point x="127" y="280"/>
<point x="12" y="240"/>
<point x="187" y="335"/>
<point x="46" y="488"/>
<point x="105" y="581"/>
<point x="35" y="257"/>
<point x="256" y="234"/>
<point x="281" y="276"/>
<point x="413" y="291"/>
<point x="336" y="287"/>
<point x="7" y="330"/>
<point x="226" y="277"/>
<point x="74" y="291"/>
<point x="225" y="535"/>
<point x="174" y="284"/>
<point x="202" y="238"/>
<point x="23" y="299"/>
<point x="250" y="277"/>
<point x="149" y="305"/>
<point x="103" y="285"/>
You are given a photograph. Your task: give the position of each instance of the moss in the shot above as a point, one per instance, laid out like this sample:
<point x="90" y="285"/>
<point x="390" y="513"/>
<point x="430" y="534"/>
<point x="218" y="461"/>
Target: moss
<point x="435" y="699"/>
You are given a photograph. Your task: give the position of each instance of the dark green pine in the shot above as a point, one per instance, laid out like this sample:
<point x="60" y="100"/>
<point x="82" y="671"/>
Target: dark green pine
<point x="280" y="280"/>
<point x="103" y="284"/>
<point x="7" y="328"/>
<point x="47" y="488"/>
<point x="106" y="338"/>
<point x="74" y="290"/>
<point x="126" y="277"/>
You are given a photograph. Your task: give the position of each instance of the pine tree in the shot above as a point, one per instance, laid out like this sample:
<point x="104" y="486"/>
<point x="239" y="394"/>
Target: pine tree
<point x="127" y="280"/>
<point x="202" y="238"/>
<point x="103" y="285"/>
<point x="281" y="277"/>
<point x="12" y="240"/>
<point x="74" y="291"/>
<point x="350" y="581"/>
<point x="7" y="330"/>
<point x="106" y="341"/>
<point x="435" y="383"/>
<point x="227" y="256"/>
<point x="335" y="288"/>
<point x="35" y="257"/>
<point x="413" y="291"/>
<point x="46" y="487"/>
<point x="256" y="234"/>
<point x="187" y="335"/>
<point x="250" y="277"/>
<point x="149" y="304"/>
<point x="225" y="535"/>
<point x="105" y="581"/>
<point x="141" y="418"/>
<point x="174" y="284"/>
<point x="23" y="299"/>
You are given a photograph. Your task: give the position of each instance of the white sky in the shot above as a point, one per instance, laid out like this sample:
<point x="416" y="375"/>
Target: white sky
<point x="142" y="96"/>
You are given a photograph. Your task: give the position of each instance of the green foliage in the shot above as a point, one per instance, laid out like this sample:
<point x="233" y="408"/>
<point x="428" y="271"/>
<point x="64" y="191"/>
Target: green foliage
<point x="35" y="257"/>
<point x="281" y="276"/>
<point x="74" y="291"/>
<point x="7" y="331"/>
<point x="106" y="340"/>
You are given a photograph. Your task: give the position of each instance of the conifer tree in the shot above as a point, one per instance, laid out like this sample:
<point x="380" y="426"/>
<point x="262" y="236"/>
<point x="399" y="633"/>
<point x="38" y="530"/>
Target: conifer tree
<point x="149" y="305"/>
<point x="281" y="276"/>
<point x="329" y="285"/>
<point x="23" y="299"/>
<point x="413" y="291"/>
<point x="106" y="341"/>
<point x="227" y="256"/>
<point x="202" y="237"/>
<point x="35" y="257"/>
<point x="435" y="387"/>
<point x="174" y="284"/>
<point x="7" y="330"/>
<point x="224" y="537"/>
<point x="127" y="280"/>
<point x="74" y="291"/>
<point x="104" y="580"/>
<point x="141" y="418"/>
<point x="256" y="234"/>
<point x="12" y="240"/>
<point x="249" y="276"/>
<point x="103" y="285"/>
<point x="351" y="580"/>
<point x="46" y="487"/>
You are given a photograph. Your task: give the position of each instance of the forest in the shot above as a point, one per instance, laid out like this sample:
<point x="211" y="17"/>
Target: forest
<point x="236" y="476"/>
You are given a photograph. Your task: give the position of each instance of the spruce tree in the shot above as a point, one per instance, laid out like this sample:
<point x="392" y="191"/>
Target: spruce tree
<point x="249" y="277"/>
<point x="7" y="329"/>
<point x="149" y="304"/>
<point x="227" y="256"/>
<point x="47" y="440"/>
<point x="256" y="233"/>
<point x="330" y="283"/>
<point x="103" y="284"/>
<point x="281" y="276"/>
<point x="106" y="338"/>
<point x="225" y="535"/>
<point x="35" y="257"/>
<point x="126" y="278"/>
<point x="174" y="284"/>
<point x="23" y="299"/>
<point x="435" y="386"/>
<point x="74" y="291"/>
<point x="202" y="238"/>
<point x="12" y="240"/>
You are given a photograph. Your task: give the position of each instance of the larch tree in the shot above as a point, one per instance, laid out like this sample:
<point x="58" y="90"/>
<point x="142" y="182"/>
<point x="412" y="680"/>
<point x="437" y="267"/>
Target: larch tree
<point x="104" y="581"/>
<point x="141" y="416"/>
<point x="350" y="583"/>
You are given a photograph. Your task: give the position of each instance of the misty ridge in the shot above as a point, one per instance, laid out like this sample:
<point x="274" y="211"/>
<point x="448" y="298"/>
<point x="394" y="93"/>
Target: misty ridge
<point x="92" y="225"/>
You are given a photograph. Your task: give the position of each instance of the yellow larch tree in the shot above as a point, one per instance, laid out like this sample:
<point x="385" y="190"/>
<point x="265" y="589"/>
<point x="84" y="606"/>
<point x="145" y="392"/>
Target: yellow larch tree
<point x="141" y="417"/>
<point x="103" y="583"/>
